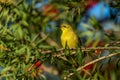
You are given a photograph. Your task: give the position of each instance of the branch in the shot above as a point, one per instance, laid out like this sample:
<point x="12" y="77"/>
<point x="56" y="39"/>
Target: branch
<point x="92" y="62"/>
<point x="84" y="49"/>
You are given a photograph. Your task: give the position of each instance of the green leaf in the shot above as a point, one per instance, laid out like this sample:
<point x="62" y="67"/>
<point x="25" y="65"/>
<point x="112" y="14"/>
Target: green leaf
<point x="21" y="51"/>
<point x="16" y="60"/>
<point x="25" y="23"/>
<point x="28" y="54"/>
<point x="6" y="69"/>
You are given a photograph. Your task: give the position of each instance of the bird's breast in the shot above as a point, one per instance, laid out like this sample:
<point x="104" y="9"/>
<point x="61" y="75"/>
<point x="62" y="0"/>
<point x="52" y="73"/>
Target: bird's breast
<point x="70" y="39"/>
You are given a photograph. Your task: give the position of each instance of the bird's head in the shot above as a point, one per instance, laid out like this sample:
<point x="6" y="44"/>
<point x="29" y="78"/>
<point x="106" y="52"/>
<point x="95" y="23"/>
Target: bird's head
<point x="65" y="27"/>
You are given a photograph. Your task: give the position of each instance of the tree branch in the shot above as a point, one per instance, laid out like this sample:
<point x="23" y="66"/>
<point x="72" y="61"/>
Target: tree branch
<point x="83" y="49"/>
<point x="94" y="61"/>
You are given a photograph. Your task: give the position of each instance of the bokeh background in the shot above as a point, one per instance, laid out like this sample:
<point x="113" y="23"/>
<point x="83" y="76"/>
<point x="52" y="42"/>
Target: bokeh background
<point x="30" y="41"/>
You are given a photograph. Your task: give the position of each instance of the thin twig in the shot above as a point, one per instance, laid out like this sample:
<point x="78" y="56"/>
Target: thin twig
<point x="92" y="62"/>
<point x="84" y="49"/>
<point x="87" y="72"/>
<point x="61" y="57"/>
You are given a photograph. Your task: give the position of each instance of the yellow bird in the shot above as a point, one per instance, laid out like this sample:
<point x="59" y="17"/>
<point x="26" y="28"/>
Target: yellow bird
<point x="68" y="36"/>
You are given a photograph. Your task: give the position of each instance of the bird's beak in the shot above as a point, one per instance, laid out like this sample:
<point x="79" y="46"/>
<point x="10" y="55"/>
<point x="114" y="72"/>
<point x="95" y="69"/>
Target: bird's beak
<point x="58" y="26"/>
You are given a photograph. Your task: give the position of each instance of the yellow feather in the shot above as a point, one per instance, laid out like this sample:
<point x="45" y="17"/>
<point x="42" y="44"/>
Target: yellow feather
<point x="68" y="36"/>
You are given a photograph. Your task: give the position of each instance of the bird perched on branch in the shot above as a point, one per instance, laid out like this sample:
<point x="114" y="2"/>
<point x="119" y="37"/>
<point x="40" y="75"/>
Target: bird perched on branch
<point x="68" y="37"/>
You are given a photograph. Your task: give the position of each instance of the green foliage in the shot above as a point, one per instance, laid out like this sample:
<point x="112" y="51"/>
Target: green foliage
<point x="23" y="40"/>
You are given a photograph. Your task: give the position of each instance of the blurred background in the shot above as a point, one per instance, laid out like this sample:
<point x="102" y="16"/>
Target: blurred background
<point x="29" y="39"/>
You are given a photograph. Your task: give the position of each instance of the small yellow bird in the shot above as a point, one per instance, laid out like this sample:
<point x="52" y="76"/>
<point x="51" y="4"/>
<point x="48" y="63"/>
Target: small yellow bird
<point x="68" y="36"/>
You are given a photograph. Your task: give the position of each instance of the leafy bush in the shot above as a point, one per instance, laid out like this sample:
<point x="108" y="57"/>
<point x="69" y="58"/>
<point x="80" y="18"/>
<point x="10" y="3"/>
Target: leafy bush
<point x="28" y="34"/>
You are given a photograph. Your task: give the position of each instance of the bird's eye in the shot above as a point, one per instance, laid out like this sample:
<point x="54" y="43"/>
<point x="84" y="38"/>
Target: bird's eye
<point x="64" y="26"/>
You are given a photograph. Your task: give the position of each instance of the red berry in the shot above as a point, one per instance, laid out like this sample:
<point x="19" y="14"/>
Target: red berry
<point x="37" y="64"/>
